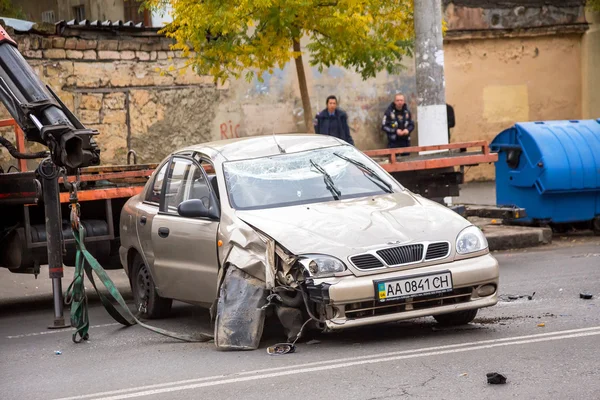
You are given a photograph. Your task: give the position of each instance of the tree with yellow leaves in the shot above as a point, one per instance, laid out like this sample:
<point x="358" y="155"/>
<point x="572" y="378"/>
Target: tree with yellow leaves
<point x="234" y="38"/>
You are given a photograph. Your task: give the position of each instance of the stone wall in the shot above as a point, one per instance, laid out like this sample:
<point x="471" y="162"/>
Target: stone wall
<point x="139" y="95"/>
<point x="134" y="90"/>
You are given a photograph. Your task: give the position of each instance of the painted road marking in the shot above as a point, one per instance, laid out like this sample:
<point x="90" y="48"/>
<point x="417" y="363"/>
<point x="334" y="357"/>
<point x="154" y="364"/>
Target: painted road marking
<point x="58" y="331"/>
<point x="333" y="364"/>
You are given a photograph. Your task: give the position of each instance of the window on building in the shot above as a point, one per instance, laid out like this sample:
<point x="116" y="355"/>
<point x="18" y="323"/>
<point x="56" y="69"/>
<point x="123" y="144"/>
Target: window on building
<point x="79" y="12"/>
<point x="133" y="13"/>
<point x="48" y="17"/>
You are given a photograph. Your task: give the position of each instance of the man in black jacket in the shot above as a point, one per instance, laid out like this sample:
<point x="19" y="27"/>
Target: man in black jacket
<point x="398" y="123"/>
<point x="333" y="121"/>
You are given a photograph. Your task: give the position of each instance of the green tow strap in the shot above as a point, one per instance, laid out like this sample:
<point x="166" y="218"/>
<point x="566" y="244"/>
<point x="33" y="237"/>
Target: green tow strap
<point x="77" y="298"/>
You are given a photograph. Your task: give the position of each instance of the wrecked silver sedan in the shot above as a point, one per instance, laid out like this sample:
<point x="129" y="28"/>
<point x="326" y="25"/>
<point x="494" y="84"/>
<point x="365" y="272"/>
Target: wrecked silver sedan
<point x="303" y="227"/>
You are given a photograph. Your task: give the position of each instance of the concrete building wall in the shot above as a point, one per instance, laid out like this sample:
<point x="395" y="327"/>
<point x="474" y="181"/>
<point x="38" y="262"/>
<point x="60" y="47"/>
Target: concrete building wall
<point x="274" y="105"/>
<point x="63" y="9"/>
<point x="33" y="9"/>
<point x="94" y="9"/>
<point x="591" y="67"/>
<point x="494" y="83"/>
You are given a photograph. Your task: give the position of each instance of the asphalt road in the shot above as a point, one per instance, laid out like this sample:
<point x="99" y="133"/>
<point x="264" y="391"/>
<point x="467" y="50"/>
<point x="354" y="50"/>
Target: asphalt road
<point x="413" y="359"/>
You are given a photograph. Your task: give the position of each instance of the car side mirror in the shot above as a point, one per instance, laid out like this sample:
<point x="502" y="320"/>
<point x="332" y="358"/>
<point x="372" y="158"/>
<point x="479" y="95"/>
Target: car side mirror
<point x="195" y="208"/>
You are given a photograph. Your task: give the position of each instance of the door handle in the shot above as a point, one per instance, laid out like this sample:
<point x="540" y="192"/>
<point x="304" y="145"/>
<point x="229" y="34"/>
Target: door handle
<point x="143" y="220"/>
<point x="163" y="232"/>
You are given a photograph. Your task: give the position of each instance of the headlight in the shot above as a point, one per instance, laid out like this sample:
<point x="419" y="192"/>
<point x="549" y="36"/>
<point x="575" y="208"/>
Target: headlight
<point x="321" y="266"/>
<point x="470" y="240"/>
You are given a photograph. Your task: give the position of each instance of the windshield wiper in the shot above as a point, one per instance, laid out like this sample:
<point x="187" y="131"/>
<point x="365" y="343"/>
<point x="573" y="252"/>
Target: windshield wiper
<point x="387" y="187"/>
<point x="335" y="192"/>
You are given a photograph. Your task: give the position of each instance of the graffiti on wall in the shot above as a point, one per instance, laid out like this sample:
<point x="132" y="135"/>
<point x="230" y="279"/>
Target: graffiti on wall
<point x="229" y="130"/>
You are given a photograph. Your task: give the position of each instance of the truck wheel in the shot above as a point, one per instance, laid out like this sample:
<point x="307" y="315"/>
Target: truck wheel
<point x="147" y="301"/>
<point x="456" y="318"/>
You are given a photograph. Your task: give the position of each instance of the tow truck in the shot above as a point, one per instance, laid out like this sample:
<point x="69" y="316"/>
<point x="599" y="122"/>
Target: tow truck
<point x="32" y="203"/>
<point x="33" y="231"/>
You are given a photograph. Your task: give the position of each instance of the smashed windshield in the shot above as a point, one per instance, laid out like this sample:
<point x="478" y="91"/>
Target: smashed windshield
<point x="334" y="173"/>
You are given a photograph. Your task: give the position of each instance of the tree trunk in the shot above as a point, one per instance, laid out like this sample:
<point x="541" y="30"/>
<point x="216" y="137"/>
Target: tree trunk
<point x="303" y="89"/>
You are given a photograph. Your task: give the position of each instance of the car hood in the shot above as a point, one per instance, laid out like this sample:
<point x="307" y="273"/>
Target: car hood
<point x="347" y="227"/>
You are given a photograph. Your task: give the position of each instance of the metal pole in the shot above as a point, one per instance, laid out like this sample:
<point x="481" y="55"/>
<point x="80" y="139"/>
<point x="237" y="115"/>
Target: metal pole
<point x="429" y="63"/>
<point x="48" y="173"/>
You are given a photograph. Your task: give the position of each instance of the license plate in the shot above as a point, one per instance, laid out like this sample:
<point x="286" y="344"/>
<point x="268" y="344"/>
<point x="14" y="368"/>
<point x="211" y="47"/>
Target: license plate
<point x="413" y="286"/>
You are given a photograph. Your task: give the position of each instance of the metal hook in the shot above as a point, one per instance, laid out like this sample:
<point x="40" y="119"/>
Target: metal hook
<point x="129" y="153"/>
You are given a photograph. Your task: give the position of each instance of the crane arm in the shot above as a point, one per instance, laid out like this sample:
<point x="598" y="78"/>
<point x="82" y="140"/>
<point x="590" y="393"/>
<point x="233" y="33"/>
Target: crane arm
<point x="39" y="112"/>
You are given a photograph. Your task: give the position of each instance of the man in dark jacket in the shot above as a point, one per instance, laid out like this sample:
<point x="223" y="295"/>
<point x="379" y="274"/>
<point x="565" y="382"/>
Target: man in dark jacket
<point x="333" y="121"/>
<point x="398" y="123"/>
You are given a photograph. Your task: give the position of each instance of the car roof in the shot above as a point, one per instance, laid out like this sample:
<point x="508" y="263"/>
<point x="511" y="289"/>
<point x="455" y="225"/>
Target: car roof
<point x="264" y="146"/>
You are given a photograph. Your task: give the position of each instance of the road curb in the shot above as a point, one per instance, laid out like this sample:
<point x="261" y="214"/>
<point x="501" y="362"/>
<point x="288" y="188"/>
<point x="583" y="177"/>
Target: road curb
<point x="513" y="237"/>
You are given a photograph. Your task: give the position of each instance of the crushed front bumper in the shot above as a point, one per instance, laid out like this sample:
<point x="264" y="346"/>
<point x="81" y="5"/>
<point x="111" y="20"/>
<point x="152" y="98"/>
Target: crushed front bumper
<point x="351" y="301"/>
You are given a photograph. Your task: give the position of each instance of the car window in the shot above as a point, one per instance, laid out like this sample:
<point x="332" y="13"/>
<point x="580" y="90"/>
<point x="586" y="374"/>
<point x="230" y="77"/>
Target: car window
<point x="153" y="195"/>
<point x="305" y="177"/>
<point x="185" y="181"/>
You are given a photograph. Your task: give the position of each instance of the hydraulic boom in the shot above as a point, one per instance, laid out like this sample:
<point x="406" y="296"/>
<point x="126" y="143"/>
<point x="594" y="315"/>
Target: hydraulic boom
<point x="40" y="113"/>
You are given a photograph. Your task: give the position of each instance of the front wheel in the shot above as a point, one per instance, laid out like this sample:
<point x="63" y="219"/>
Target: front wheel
<point x="147" y="301"/>
<point x="456" y="318"/>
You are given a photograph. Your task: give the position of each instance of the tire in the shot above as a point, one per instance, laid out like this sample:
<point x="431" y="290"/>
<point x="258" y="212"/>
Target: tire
<point x="456" y="318"/>
<point x="147" y="302"/>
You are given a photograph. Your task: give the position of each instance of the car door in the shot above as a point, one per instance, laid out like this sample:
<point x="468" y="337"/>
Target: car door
<point x="185" y="249"/>
<point x="146" y="210"/>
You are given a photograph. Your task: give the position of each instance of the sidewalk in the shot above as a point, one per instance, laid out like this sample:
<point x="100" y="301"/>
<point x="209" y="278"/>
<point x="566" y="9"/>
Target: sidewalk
<point x="22" y="288"/>
<point x="500" y="237"/>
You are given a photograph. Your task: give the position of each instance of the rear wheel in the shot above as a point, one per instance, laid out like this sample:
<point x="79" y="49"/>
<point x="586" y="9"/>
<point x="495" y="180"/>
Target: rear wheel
<point x="456" y="318"/>
<point x="147" y="301"/>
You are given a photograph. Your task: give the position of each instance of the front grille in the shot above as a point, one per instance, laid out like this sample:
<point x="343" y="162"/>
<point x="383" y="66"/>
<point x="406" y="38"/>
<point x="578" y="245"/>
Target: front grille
<point x="366" y="309"/>
<point x="402" y="254"/>
<point x="437" y="250"/>
<point x="366" y="261"/>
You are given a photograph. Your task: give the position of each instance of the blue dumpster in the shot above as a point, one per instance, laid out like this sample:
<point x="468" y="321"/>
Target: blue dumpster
<point x="552" y="169"/>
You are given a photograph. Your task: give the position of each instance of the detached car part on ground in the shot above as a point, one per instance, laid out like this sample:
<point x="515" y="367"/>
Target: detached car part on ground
<point x="302" y="227"/>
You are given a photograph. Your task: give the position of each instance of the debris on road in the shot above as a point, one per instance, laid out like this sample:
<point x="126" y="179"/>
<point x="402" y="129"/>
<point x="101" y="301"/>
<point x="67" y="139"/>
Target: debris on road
<point x="585" y="296"/>
<point x="512" y="297"/>
<point x="464" y="374"/>
<point x="541" y="325"/>
<point x="281" y="348"/>
<point x="58" y="352"/>
<point x="494" y="378"/>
